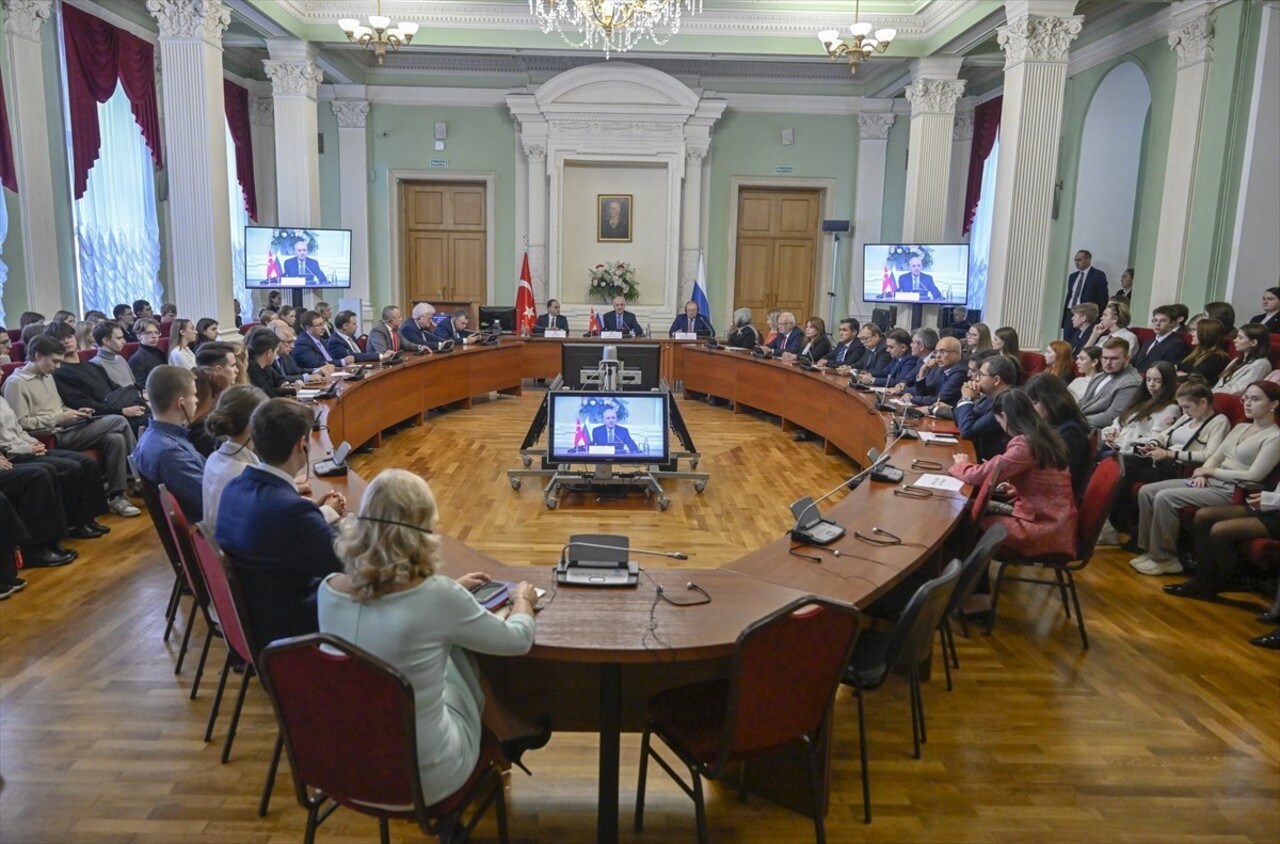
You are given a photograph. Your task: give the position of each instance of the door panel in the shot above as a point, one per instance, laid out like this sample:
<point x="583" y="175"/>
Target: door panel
<point x="466" y="255"/>
<point x="777" y="247"/>
<point x="755" y="277"/>
<point x="445" y="242"/>
<point x="425" y="275"/>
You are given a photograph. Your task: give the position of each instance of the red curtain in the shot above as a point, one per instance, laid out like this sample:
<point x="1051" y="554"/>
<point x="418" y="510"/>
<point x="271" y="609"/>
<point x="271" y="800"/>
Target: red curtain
<point x="986" y="125"/>
<point x="237" y="108"/>
<point x="99" y="54"/>
<point x="8" y="175"/>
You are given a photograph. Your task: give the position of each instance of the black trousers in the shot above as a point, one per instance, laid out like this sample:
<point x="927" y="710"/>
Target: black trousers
<point x="33" y="492"/>
<point x="13" y="535"/>
<point x="79" y="481"/>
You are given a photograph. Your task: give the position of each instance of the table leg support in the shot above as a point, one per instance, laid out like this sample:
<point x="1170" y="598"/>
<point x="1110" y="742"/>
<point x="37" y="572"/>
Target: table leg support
<point x="610" y="754"/>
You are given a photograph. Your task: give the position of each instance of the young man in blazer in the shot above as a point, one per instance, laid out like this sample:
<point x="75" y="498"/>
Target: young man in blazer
<point x="552" y="319"/>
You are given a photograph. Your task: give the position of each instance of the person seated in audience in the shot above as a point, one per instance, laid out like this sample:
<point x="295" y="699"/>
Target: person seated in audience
<point x="1113" y="322"/>
<point x="1034" y="476"/>
<point x="229" y="424"/>
<point x="1248" y="453"/>
<point x="1084" y="317"/>
<point x="310" y="351"/>
<point x="418" y="334"/>
<point x="64" y="316"/>
<point x="210" y="385"/>
<point x="262" y="346"/>
<point x="288" y="367"/>
<point x="1270" y="316"/>
<point x="267" y="315"/>
<point x="1058" y="360"/>
<point x="6" y="349"/>
<point x="903" y="364"/>
<point x="788" y="338"/>
<point x="623" y="320"/>
<point x="84" y="385"/>
<point x="1165" y="455"/>
<point x="30" y="518"/>
<point x="554" y="320"/>
<point x="771" y="321"/>
<point x="1113" y="390"/>
<point x="384" y="338"/>
<point x="1005" y="341"/>
<point x="455" y="328"/>
<point x="124" y="315"/>
<point x="1152" y="411"/>
<point x="93" y="316"/>
<point x="1251" y="363"/>
<point x="391" y="602"/>
<point x="279" y="543"/>
<point x="972" y="365"/>
<point x="817" y="345"/>
<point x="109" y="340"/>
<point x="13" y="535"/>
<point x="940" y="377"/>
<point x="847" y="346"/>
<point x="164" y="454"/>
<point x="142" y="309"/>
<point x="35" y="400"/>
<point x="325" y="310"/>
<point x="206" y="332"/>
<point x="169" y="312"/>
<point x="83" y="333"/>
<point x="1206" y="358"/>
<point x="182" y="341"/>
<point x="30" y="317"/>
<point x="875" y="352"/>
<point x="1055" y="404"/>
<point x="975" y="412"/>
<point x="977" y="338"/>
<point x="342" y="342"/>
<point x="1166" y="345"/>
<point x="959" y="327"/>
<point x="221" y="359"/>
<point x="692" y="322"/>
<point x="148" y="355"/>
<point x="32" y="329"/>
<point x="745" y="335"/>
<point x="1225" y="313"/>
<point x="287" y="314"/>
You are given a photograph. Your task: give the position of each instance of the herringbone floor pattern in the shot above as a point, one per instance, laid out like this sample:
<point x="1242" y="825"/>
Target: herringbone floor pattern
<point x="1166" y="730"/>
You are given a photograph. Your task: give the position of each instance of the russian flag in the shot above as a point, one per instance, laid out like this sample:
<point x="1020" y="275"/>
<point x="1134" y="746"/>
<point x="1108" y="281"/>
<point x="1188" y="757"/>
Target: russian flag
<point x="699" y="296"/>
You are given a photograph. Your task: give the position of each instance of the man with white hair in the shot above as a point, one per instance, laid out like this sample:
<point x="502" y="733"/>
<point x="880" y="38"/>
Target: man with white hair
<point x="789" y="338"/>
<point x="418" y="334"/>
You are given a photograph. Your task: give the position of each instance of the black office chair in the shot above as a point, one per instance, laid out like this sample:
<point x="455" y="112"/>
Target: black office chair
<point x="971" y="572"/>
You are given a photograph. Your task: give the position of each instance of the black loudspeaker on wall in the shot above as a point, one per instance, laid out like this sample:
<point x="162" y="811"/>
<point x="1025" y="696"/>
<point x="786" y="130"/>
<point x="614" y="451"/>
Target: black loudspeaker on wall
<point x="829" y="226"/>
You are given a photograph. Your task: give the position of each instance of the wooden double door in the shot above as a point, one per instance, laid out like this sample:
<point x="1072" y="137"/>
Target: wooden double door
<point x="445" y="241"/>
<point x="777" y="250"/>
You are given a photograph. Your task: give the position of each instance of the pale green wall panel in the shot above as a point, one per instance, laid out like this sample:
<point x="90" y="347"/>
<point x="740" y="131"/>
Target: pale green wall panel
<point x="330" y="172"/>
<point x="894" y="202"/>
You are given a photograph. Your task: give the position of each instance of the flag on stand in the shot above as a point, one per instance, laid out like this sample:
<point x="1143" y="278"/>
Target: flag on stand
<point x="526" y="309"/>
<point x="887" y="286"/>
<point x="579" y="435"/>
<point x="593" y="325"/>
<point x="699" y="296"/>
<point x="273" y="268"/>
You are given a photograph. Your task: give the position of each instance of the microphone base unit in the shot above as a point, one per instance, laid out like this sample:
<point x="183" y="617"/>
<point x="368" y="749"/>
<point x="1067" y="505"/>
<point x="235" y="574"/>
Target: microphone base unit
<point x="572" y="574"/>
<point x="822" y="533"/>
<point x="888" y="475"/>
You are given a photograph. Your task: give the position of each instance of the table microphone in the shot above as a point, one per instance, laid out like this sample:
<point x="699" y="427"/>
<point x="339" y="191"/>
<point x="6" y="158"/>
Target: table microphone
<point x="673" y="555"/>
<point x="812" y="529"/>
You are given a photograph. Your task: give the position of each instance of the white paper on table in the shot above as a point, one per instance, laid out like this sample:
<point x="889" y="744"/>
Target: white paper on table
<point x="939" y="482"/>
<point x="684" y="335"/>
<point x="610" y="335"/>
<point x="945" y="439"/>
<point x="553" y="332"/>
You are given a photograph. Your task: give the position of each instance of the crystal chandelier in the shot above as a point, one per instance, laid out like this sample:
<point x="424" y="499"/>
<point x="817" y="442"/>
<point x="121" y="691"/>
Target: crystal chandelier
<point x="614" y="25"/>
<point x="379" y="33"/>
<point x="861" y="42"/>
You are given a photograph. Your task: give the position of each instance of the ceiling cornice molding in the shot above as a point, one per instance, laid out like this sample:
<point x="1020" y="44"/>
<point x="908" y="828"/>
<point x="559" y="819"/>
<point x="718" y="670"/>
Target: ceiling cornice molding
<point x="785" y="104"/>
<point x="1151" y="28"/>
<point x="412" y="96"/>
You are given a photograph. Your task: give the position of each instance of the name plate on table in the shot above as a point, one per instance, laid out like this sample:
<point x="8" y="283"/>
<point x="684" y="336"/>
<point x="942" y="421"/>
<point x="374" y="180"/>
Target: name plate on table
<point x="610" y="335"/>
<point x="685" y="335"/>
<point x="554" y="332"/>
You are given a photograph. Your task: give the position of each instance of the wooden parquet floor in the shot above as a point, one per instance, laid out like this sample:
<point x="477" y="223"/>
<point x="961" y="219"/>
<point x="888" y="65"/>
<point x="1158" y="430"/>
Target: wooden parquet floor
<point x="1166" y="730"/>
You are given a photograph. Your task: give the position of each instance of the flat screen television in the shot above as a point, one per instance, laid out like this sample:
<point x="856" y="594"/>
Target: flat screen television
<point x="505" y="317"/>
<point x="916" y="273"/>
<point x="282" y="257"/>
<point x="641" y="362"/>
<point x="618" y="427"/>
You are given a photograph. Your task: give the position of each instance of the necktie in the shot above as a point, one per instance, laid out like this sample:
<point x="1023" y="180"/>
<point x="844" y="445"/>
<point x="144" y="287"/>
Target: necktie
<point x="395" y="341"/>
<point x="327" y="357"/>
<point x="844" y="347"/>
<point x="280" y="366"/>
<point x="619" y="317"/>
<point x="690" y="326"/>
<point x="610" y="435"/>
<point x="1077" y="288"/>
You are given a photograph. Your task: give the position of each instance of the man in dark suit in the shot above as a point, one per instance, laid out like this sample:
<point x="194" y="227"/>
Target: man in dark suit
<point x="1167" y="344"/>
<point x="940" y="378"/>
<point x="280" y="544"/>
<point x="1086" y="284"/>
<point x="300" y="266"/>
<point x="310" y="350"/>
<point x="903" y="364"/>
<point x="1083" y="317"/>
<point x="915" y="281"/>
<point x="385" y="336"/>
<point x="342" y="342"/>
<point x="847" y="346"/>
<point x="611" y="433"/>
<point x="418" y="334"/>
<point x="975" y="413"/>
<point x="1125" y="293"/>
<point x="455" y="329"/>
<point x="551" y="319"/>
<point x="691" y="322"/>
<point x="788" y="339"/>
<point x="875" y="352"/>
<point x="288" y="366"/>
<point x="621" y="319"/>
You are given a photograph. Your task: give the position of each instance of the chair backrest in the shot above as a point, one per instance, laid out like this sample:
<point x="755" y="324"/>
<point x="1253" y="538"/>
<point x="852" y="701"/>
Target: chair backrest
<point x="180" y="531"/>
<point x="151" y="497"/>
<point x="17" y="351"/>
<point x="1229" y="406"/>
<point x="163" y="344"/>
<point x="347" y="719"/>
<point x="224" y="593"/>
<point x="979" y="504"/>
<point x="976" y="564"/>
<point x="1032" y="363"/>
<point x="1144" y="335"/>
<point x="784" y="674"/>
<point x="912" y="637"/>
<point x="1104" y="484"/>
<point x="247" y="327"/>
<point x="128" y="350"/>
<point x="86" y="355"/>
<point x="363" y="342"/>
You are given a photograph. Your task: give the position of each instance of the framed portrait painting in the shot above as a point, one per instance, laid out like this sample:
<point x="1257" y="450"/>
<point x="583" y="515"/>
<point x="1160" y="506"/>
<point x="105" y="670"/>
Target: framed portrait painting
<point x="613" y="216"/>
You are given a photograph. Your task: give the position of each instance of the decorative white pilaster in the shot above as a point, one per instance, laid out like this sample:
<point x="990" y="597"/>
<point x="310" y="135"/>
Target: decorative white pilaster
<point x="262" y="124"/>
<point x="961" y="147"/>
<point x="1191" y="37"/>
<point x="536" y="153"/>
<point x="24" y="78"/>
<point x="691" y="219"/>
<point x="874" y="124"/>
<point x="1035" y="75"/>
<point x="196" y="155"/>
<point x="353" y="187"/>
<point x="933" y="93"/>
<point x="294" y="80"/>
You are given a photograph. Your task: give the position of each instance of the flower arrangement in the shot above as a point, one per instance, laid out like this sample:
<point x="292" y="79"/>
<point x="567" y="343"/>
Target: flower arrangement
<point x="613" y="278"/>
<point x="592" y="409"/>
<point x="282" y="240"/>
<point x="901" y="254"/>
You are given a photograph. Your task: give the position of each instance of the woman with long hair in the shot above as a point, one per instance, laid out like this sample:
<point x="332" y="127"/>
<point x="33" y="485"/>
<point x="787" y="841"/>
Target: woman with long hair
<point x="1058" y="360"/>
<point x="817" y="344"/>
<point x="1153" y="410"/>
<point x="1253" y="343"/>
<point x="182" y="337"/>
<point x="1114" y="322"/>
<point x="228" y="424"/>
<point x="1053" y="401"/>
<point x="1089" y="363"/>
<point x="210" y="385"/>
<point x="1033" y="472"/>
<point x="206" y="331"/>
<point x="1207" y="358"/>
<point x="977" y="338"/>
<point x="771" y="319"/>
<point x="392" y="601"/>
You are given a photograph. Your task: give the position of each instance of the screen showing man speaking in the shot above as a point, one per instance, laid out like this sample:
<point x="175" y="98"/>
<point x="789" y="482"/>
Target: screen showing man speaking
<point x="930" y="273"/>
<point x="297" y="257"/>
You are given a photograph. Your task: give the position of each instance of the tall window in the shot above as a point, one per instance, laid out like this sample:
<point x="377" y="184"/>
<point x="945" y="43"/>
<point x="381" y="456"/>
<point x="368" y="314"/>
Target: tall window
<point x="117" y="236"/>
<point x="980" y="233"/>
<point x="239" y="219"/>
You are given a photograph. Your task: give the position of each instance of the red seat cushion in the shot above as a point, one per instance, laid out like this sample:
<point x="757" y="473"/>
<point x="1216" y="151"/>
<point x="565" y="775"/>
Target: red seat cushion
<point x="692" y="718"/>
<point x="1265" y="551"/>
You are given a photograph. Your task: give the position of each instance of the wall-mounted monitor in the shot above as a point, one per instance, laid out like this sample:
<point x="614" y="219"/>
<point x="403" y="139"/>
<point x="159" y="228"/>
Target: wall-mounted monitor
<point x="916" y="273"/>
<point x="296" y="257"/>
<point x="595" y="427"/>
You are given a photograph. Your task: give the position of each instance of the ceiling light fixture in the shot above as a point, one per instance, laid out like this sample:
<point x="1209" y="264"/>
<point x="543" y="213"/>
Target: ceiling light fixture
<point x="614" y="25"/>
<point x="379" y="33"/>
<point x="861" y="42"/>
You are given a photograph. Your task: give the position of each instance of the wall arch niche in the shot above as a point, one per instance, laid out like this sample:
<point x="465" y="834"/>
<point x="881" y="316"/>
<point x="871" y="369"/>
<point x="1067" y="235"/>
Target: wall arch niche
<point x="614" y="128"/>
<point x="1110" y="157"/>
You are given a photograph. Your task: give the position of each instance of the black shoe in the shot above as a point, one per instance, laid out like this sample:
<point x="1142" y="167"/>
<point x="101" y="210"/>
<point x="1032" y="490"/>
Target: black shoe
<point x="83" y="532"/>
<point x="1271" y="616"/>
<point x="97" y="527"/>
<point x="1270" y="640"/>
<point x="1189" y="589"/>
<point x="515" y="748"/>
<point x="6" y="590"/>
<point x="59" y="548"/>
<point x="45" y="557"/>
<point x="15" y="583"/>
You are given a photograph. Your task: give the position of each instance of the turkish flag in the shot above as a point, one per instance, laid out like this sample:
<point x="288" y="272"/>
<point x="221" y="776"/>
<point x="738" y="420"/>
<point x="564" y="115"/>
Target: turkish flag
<point x="886" y="285"/>
<point x="579" y="435"/>
<point x="273" y="266"/>
<point x="526" y="309"/>
<point x="593" y="325"/>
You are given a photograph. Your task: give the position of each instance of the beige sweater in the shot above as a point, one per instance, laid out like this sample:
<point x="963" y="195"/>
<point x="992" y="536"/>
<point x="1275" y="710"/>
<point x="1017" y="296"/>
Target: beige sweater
<point x="34" y="399"/>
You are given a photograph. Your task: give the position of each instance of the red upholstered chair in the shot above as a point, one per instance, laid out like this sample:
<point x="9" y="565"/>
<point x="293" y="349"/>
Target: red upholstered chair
<point x="163" y="344"/>
<point x="151" y="497"/>
<point x="86" y="355"/>
<point x="1230" y="406"/>
<point x="347" y="719"/>
<point x="363" y="341"/>
<point x="1098" y="500"/>
<point x="1144" y="335"/>
<point x="6" y="368"/>
<point x="1032" y="362"/>
<point x="18" y="351"/>
<point x="1264" y="552"/>
<point x="180" y="531"/>
<point x="247" y="327"/>
<point x="782" y="680"/>
<point x="1273" y="351"/>
<point x="128" y="350"/>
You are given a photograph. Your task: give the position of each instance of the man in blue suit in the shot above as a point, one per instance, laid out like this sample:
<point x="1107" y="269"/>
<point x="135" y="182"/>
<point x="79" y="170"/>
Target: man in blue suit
<point x="418" y="333"/>
<point x="903" y="365"/>
<point x="300" y="266"/>
<point x="611" y="433"/>
<point x="621" y="319"/>
<point x="280" y="544"/>
<point x="915" y="281"/>
<point x="692" y="322"/>
<point x="1086" y="284"/>
<point x="788" y="339"/>
<point x="552" y="319"/>
<point x="975" y="412"/>
<point x="455" y="329"/>
<point x="310" y="351"/>
<point x="940" y="377"/>
<point x="342" y="342"/>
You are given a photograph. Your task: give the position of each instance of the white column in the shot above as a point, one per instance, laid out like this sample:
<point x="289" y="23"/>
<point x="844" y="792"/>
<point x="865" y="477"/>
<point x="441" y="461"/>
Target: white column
<point x="874" y="124"/>
<point x="1035" y="75"/>
<point x="933" y="93"/>
<point x="1191" y="37"/>
<point x="24" y="78"/>
<point x="294" y="79"/>
<point x="262" y="121"/>
<point x="690" y="220"/>
<point x="353" y="187"/>
<point x="536" y="153"/>
<point x="961" y="148"/>
<point x="196" y="155"/>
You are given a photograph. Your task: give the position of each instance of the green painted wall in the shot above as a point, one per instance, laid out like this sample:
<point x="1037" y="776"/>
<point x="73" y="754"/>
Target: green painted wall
<point x="750" y="144"/>
<point x="894" y="201"/>
<point x="481" y="141"/>
<point x="330" y="194"/>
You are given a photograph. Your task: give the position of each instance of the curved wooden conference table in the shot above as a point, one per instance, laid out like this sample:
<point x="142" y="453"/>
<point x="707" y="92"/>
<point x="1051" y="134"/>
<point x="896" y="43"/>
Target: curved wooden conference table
<point x="593" y="666"/>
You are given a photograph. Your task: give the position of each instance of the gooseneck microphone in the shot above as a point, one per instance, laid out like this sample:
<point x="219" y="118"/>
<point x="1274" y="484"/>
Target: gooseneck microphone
<point x="672" y="555"/>
<point x="810" y="528"/>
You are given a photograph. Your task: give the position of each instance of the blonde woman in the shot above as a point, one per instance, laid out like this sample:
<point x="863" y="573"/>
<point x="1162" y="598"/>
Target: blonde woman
<point x="182" y="338"/>
<point x="391" y="602"/>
